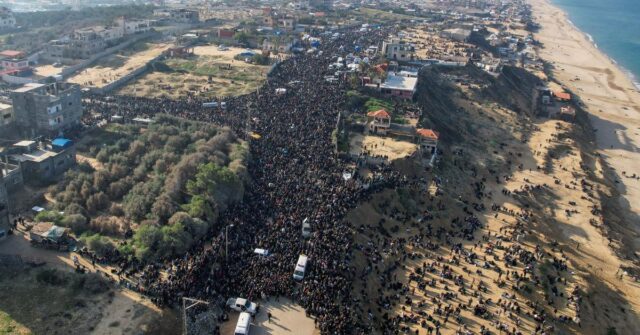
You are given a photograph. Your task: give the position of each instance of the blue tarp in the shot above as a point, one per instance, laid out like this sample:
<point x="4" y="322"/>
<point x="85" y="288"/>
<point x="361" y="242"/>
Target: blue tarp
<point x="62" y="143"/>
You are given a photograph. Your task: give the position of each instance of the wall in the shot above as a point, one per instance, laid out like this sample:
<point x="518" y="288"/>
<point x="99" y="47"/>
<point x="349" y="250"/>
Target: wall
<point x="17" y="80"/>
<point x="69" y="71"/>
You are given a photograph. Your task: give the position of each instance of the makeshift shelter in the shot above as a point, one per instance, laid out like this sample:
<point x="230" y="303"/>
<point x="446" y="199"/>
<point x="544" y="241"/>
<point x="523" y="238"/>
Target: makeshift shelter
<point x="47" y="231"/>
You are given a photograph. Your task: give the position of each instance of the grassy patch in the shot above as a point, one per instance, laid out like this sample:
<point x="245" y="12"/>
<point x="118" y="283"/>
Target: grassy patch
<point x="374" y="104"/>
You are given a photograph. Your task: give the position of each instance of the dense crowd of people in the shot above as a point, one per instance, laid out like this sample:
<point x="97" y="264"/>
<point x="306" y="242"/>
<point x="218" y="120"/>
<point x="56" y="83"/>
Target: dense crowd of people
<point x="295" y="176"/>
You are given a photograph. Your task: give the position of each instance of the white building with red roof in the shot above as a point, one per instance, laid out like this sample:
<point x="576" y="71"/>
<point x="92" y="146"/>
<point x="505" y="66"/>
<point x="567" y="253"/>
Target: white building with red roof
<point x="428" y="139"/>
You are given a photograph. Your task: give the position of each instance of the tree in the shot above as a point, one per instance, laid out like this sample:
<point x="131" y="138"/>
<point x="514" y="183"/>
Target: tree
<point x="97" y="202"/>
<point x="145" y="241"/>
<point x="218" y="185"/>
<point x="98" y="244"/>
<point x="163" y="208"/>
<point x="175" y="240"/>
<point x="260" y="59"/>
<point x="242" y="37"/>
<point x="76" y="222"/>
<point x="49" y="216"/>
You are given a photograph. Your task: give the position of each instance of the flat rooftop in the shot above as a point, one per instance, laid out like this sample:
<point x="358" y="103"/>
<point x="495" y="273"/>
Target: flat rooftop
<point x="24" y="143"/>
<point x="37" y="156"/>
<point x="400" y="83"/>
<point x="28" y="87"/>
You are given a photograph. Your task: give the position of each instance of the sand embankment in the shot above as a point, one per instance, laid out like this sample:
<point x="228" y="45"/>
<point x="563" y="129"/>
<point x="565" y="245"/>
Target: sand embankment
<point x="609" y="96"/>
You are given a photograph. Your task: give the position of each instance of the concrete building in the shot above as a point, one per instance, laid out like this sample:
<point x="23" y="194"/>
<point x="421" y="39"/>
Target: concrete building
<point x="379" y="122"/>
<point x="13" y="60"/>
<point x="46" y="109"/>
<point x="397" y="86"/>
<point x="7" y="20"/>
<point x="456" y="34"/>
<point x="6" y="116"/>
<point x="428" y="140"/>
<point x="276" y="45"/>
<point x="398" y="50"/>
<point x="42" y="162"/>
<point x="134" y="26"/>
<point x="86" y="42"/>
<point x="182" y="15"/>
<point x="10" y="175"/>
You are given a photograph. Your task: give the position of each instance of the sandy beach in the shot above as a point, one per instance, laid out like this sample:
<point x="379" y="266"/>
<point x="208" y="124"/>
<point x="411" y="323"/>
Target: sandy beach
<point x="609" y="96"/>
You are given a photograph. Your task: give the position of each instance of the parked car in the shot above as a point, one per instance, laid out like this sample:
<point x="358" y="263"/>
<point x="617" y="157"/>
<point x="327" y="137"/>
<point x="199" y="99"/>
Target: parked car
<point x="243" y="305"/>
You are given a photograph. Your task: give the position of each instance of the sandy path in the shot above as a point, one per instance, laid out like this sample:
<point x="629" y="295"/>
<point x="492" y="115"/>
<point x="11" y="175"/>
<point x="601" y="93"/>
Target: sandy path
<point x="104" y="73"/>
<point x="610" y="97"/>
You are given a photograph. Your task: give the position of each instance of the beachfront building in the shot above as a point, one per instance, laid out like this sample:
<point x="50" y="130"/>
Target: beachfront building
<point x="379" y="122"/>
<point x="428" y="140"/>
<point x="43" y="162"/>
<point x="398" y="50"/>
<point x="46" y="109"/>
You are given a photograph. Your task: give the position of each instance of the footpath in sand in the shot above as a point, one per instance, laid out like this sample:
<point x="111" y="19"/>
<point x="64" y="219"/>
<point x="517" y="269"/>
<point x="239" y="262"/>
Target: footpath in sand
<point x="609" y="96"/>
<point x="117" y="66"/>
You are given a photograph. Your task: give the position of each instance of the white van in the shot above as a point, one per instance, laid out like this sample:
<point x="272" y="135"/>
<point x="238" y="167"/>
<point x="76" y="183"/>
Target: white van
<point x="244" y="324"/>
<point x="306" y="228"/>
<point x="301" y="267"/>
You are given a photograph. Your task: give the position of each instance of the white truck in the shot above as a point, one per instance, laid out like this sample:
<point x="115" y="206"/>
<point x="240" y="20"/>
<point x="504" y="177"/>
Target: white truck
<point x="243" y="305"/>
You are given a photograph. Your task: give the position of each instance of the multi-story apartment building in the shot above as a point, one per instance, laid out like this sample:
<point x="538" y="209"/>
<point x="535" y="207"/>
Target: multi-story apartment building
<point x="398" y="50"/>
<point x="46" y="109"/>
<point x="43" y="162"/>
<point x="7" y="20"/>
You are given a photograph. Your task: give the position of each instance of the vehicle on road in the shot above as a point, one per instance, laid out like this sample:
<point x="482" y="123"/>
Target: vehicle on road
<point x="243" y="305"/>
<point x="301" y="267"/>
<point x="243" y="327"/>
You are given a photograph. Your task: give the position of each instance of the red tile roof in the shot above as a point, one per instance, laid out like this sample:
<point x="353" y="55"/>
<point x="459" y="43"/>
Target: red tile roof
<point x="562" y="95"/>
<point x="428" y="133"/>
<point x="379" y="113"/>
<point x="11" y="53"/>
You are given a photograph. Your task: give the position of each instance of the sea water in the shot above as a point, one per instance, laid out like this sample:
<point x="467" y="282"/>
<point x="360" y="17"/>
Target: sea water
<point x="613" y="26"/>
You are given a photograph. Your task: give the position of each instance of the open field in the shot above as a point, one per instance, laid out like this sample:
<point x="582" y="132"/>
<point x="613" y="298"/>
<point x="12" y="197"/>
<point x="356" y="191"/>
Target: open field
<point x="389" y="147"/>
<point x="210" y="72"/>
<point x="47" y="70"/>
<point x="29" y="306"/>
<point x="114" y="67"/>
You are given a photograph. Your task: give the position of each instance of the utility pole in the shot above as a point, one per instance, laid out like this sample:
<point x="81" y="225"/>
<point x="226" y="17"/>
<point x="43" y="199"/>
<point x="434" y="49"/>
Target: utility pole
<point x="226" y="243"/>
<point x="193" y="303"/>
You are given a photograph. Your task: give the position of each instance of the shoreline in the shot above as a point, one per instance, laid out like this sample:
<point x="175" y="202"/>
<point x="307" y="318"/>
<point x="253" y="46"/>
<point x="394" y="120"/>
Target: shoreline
<point x="610" y="97"/>
<point x="632" y="76"/>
